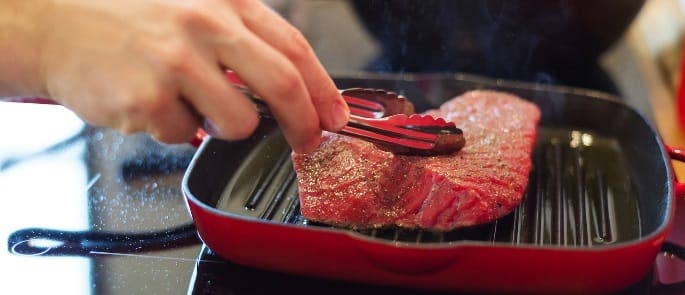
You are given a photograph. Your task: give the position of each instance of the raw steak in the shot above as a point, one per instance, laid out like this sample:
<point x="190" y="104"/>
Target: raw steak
<point x="352" y="183"/>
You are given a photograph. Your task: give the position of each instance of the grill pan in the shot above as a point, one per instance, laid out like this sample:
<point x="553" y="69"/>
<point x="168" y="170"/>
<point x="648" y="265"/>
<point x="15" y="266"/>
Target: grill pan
<point x="597" y="209"/>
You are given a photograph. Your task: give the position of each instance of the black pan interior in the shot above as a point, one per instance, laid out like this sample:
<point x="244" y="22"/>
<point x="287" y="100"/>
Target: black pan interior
<point x="599" y="178"/>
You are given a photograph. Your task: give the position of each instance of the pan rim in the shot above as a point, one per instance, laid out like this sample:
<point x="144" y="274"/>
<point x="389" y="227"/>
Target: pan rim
<point x="657" y="234"/>
<point x="465" y="77"/>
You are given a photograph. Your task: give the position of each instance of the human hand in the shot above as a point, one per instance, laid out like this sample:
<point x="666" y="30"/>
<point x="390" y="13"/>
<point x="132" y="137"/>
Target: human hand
<point x="156" y="66"/>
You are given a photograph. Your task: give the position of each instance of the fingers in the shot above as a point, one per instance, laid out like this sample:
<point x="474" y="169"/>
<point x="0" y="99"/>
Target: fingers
<point x="171" y="106"/>
<point x="183" y="48"/>
<point x="271" y="75"/>
<point x="157" y="110"/>
<point x="177" y="123"/>
<point x="277" y="32"/>
<point x="229" y="112"/>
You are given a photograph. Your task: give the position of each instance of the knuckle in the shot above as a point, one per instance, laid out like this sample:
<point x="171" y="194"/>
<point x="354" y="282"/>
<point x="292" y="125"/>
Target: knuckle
<point x="189" y="12"/>
<point x="241" y="4"/>
<point x="297" y="48"/>
<point x="287" y="84"/>
<point x="196" y="16"/>
<point x="232" y="40"/>
<point x="176" y="56"/>
<point x="322" y="94"/>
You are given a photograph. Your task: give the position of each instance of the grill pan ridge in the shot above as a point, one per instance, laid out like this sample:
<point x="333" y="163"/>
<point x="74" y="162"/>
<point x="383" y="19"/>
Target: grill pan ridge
<point x="566" y="202"/>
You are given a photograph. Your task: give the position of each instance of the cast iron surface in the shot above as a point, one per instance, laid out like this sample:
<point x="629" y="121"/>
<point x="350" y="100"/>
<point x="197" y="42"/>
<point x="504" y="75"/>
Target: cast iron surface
<point x="598" y="167"/>
<point x="574" y="197"/>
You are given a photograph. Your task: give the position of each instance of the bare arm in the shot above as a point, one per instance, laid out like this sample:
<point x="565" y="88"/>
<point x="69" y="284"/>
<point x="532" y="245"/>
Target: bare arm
<point x="19" y="58"/>
<point x="154" y="65"/>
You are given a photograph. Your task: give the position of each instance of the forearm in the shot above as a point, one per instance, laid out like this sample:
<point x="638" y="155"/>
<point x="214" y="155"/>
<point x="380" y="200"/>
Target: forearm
<point x="20" y="58"/>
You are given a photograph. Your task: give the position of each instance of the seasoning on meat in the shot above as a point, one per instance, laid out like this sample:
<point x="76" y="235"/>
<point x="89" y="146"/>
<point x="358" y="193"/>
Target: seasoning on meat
<point x="352" y="183"/>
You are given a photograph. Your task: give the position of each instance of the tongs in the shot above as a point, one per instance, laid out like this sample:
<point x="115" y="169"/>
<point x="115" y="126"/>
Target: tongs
<point x="378" y="116"/>
<point x="387" y="120"/>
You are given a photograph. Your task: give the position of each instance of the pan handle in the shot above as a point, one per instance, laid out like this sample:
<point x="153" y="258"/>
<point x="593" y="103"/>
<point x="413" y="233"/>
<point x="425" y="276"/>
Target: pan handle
<point x="678" y="155"/>
<point x="42" y="241"/>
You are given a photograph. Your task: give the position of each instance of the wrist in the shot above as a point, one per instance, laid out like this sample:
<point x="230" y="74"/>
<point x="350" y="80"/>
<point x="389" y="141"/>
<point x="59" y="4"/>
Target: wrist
<point x="21" y="58"/>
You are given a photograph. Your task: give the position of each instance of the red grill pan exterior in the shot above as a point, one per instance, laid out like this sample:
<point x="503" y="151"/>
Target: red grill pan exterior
<point x="460" y="265"/>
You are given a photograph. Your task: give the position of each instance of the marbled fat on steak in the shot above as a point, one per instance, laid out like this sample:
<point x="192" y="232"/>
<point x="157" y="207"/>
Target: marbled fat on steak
<point x="352" y="183"/>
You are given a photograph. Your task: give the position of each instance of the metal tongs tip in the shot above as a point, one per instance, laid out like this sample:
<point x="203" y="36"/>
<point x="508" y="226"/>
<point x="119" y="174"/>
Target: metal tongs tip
<point x="387" y="119"/>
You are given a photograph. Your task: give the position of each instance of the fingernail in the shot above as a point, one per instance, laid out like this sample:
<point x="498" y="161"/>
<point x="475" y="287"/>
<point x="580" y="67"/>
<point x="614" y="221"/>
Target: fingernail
<point x="211" y="128"/>
<point x="340" y="113"/>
